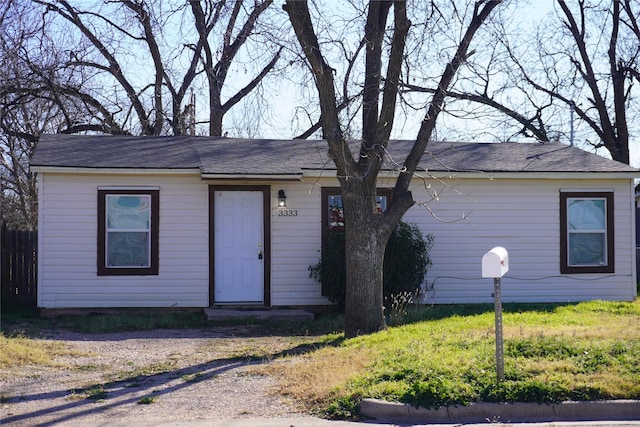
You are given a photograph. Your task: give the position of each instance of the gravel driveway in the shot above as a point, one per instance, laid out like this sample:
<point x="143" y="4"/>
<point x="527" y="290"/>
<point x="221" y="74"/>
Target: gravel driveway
<point x="183" y="374"/>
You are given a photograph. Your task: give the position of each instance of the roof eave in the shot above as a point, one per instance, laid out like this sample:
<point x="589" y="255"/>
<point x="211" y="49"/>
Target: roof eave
<point x="331" y="173"/>
<point x="317" y="173"/>
<point x="114" y="171"/>
<point x="239" y="176"/>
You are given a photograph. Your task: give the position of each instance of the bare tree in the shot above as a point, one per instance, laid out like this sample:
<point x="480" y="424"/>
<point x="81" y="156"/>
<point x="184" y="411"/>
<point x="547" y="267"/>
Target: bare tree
<point x="367" y="231"/>
<point x="606" y="90"/>
<point x="18" y="192"/>
<point x="118" y="35"/>
<point x="588" y="63"/>
<point x="67" y="70"/>
<point x="582" y="62"/>
<point x="29" y="107"/>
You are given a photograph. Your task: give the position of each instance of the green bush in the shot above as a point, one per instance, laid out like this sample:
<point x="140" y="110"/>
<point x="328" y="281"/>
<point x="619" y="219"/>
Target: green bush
<point x="406" y="260"/>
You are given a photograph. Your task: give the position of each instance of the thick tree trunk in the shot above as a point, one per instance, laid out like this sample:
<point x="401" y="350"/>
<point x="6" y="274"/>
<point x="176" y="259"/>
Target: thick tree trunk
<point x="366" y="236"/>
<point x="364" y="298"/>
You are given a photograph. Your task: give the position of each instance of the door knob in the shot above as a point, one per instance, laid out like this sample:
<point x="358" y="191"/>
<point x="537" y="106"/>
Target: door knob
<point x="259" y="254"/>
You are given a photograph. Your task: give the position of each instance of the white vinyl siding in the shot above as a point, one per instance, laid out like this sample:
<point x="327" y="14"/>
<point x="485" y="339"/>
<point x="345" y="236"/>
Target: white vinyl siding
<point x="68" y="252"/>
<point x="295" y="245"/>
<point x="469" y="217"/>
<point x="472" y="216"/>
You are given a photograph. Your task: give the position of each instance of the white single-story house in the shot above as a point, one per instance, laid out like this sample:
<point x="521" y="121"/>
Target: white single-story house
<point x="199" y="221"/>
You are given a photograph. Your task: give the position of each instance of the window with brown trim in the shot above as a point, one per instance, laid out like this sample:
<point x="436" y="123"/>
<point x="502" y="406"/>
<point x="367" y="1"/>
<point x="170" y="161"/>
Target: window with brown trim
<point x="128" y="232"/>
<point x="586" y="232"/>
<point x="333" y="213"/>
<point x="333" y="209"/>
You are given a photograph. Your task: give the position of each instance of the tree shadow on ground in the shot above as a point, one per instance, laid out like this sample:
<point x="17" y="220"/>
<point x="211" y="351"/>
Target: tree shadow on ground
<point x="133" y="389"/>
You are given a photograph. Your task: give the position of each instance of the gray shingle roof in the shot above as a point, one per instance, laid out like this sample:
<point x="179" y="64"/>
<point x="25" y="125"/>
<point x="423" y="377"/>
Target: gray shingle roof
<point x="115" y="152"/>
<point x="214" y="155"/>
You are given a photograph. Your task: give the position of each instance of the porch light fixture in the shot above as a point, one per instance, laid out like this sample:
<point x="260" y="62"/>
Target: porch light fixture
<point x="282" y="199"/>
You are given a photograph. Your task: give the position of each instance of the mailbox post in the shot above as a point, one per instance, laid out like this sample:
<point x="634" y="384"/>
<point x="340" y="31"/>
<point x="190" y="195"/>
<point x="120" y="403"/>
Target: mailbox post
<point x="495" y="264"/>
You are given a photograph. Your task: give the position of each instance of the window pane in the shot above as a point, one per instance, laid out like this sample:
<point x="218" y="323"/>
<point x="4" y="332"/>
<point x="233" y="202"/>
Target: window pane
<point x="586" y="249"/>
<point x="381" y="203"/>
<point x="336" y="214"/>
<point x="127" y="249"/>
<point x="586" y="214"/>
<point x="336" y="211"/>
<point x="586" y="227"/>
<point x="128" y="212"/>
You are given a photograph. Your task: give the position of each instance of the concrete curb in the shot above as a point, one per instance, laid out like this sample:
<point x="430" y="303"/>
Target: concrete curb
<point x="608" y="410"/>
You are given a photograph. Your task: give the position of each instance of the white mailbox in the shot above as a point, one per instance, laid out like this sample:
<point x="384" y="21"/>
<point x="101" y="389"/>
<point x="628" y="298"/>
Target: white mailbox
<point x="495" y="263"/>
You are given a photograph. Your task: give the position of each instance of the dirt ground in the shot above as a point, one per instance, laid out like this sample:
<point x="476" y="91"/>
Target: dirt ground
<point x="148" y="377"/>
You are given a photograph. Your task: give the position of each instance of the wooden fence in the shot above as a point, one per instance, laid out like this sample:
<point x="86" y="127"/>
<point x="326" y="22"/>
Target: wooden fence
<point x="18" y="266"/>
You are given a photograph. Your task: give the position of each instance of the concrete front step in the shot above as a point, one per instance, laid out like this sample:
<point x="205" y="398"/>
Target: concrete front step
<point x="262" y="313"/>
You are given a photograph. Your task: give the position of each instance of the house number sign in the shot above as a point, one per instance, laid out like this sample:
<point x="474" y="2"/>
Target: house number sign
<point x="288" y="212"/>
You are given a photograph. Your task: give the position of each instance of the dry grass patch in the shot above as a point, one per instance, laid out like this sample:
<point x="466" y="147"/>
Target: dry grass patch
<point x="617" y="386"/>
<point x="313" y="379"/>
<point x="625" y="329"/>
<point x="20" y="351"/>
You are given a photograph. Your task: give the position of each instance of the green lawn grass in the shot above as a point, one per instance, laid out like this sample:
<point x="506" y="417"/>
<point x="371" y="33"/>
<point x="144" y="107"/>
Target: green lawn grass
<point x="446" y="355"/>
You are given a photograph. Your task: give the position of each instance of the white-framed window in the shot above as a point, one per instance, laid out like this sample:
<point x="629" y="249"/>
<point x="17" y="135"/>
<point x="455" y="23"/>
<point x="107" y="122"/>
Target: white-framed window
<point x="128" y="232"/>
<point x="586" y="228"/>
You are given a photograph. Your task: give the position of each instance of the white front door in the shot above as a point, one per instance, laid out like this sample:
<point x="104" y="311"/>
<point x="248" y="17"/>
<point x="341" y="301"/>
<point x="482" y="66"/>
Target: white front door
<point x="239" y="247"/>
